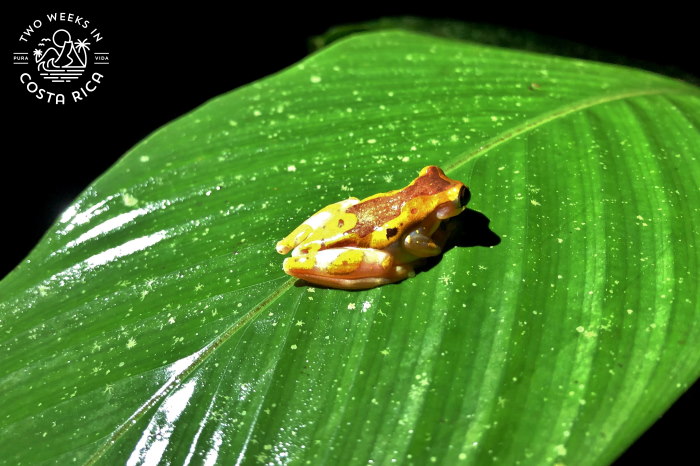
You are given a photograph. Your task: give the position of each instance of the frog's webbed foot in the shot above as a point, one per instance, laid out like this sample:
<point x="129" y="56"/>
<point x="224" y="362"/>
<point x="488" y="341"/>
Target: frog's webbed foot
<point x="421" y="245"/>
<point x="348" y="268"/>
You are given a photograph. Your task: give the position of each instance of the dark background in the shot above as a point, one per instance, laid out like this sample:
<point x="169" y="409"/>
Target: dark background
<point x="53" y="152"/>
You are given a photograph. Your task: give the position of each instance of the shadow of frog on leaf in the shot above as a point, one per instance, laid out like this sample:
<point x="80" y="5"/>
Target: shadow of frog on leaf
<point x="466" y="230"/>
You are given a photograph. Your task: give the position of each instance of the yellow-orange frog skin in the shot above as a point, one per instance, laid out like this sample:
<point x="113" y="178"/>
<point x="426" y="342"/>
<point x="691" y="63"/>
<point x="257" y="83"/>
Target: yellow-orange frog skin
<point x="359" y="244"/>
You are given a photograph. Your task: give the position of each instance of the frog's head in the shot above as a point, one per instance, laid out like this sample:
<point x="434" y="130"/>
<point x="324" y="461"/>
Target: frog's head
<point x="452" y="196"/>
<point x="458" y="196"/>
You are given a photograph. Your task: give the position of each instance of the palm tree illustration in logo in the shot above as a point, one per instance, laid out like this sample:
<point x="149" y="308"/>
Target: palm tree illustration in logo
<point x="64" y="60"/>
<point x="82" y="46"/>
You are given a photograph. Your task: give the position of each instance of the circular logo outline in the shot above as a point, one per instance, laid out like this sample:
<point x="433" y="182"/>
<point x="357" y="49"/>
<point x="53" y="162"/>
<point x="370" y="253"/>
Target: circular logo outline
<point x="59" y="58"/>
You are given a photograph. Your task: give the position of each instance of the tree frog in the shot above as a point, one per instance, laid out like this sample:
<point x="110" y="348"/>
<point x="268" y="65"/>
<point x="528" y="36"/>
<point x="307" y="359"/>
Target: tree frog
<point x="359" y="244"/>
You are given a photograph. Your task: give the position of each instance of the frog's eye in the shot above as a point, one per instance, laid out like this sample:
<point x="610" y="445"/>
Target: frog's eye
<point x="464" y="196"/>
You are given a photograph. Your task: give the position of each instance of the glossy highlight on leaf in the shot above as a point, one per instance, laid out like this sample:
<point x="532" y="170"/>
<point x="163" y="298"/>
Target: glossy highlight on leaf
<point x="153" y="323"/>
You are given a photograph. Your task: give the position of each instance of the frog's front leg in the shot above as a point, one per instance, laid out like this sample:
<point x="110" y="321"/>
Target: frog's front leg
<point x="427" y="239"/>
<point x="348" y="268"/>
<point x="421" y="245"/>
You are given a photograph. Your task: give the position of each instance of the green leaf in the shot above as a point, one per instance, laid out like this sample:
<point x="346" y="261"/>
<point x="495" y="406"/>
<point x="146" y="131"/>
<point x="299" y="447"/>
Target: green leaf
<point x="154" y="323"/>
<point x="490" y="34"/>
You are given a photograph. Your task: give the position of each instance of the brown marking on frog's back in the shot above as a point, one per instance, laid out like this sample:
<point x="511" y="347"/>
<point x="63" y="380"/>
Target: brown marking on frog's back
<point x="380" y="210"/>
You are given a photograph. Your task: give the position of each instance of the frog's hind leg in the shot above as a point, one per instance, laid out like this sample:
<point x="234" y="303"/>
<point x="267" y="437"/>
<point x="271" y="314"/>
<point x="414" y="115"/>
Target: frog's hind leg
<point x="348" y="268"/>
<point x="317" y="221"/>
